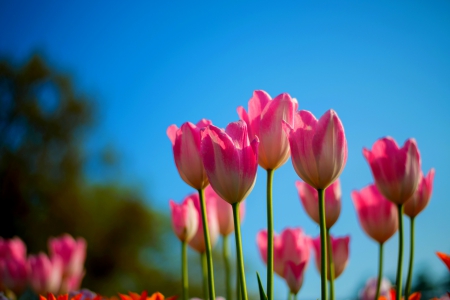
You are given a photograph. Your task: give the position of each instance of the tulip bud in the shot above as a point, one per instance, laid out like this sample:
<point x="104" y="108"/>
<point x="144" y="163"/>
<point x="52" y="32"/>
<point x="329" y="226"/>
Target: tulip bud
<point x="340" y="248"/>
<point x="422" y="195"/>
<point x="184" y="219"/>
<point x="45" y="274"/>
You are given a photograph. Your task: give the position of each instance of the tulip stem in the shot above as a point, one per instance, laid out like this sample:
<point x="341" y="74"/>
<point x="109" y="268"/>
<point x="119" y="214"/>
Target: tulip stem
<point x="226" y="261"/>
<point x="400" y="252"/>
<point x="330" y="264"/>
<point x="212" y="294"/>
<point x="184" y="271"/>
<point x="270" y="236"/>
<point x="204" y="275"/>
<point x="290" y="296"/>
<point x="240" y="258"/>
<point x="411" y="259"/>
<point x="323" y="244"/>
<point x="380" y="272"/>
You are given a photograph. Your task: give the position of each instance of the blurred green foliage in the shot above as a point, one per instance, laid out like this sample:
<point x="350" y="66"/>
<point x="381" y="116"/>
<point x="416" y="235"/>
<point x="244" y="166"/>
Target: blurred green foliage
<point x="44" y="190"/>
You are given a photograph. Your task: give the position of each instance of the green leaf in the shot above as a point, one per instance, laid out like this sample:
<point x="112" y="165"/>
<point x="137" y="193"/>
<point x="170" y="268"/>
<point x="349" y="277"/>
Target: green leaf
<point x="262" y="294"/>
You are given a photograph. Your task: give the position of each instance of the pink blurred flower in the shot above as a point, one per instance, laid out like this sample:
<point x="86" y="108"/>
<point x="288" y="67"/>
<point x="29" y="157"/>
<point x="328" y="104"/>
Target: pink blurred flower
<point x="13" y="249"/>
<point x="370" y="289"/>
<point x="293" y="274"/>
<point x="292" y="245"/>
<point x="310" y="200"/>
<point x="377" y="215"/>
<point x="340" y="248"/>
<point x="71" y="283"/>
<point x="45" y="274"/>
<point x="421" y="196"/>
<point x="184" y="219"/>
<point x="264" y="120"/>
<point x="198" y="242"/>
<point x="14" y="274"/>
<point x="72" y="253"/>
<point x="318" y="147"/>
<point x="186" y="152"/>
<point x="224" y="212"/>
<point x="230" y="160"/>
<point x="396" y="170"/>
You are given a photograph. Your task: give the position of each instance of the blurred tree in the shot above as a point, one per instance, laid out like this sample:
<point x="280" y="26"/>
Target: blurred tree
<point x="44" y="191"/>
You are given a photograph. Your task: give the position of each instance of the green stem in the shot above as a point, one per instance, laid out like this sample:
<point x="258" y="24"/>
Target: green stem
<point x="290" y="296"/>
<point x="380" y="272"/>
<point x="330" y="264"/>
<point x="238" y="283"/>
<point x="400" y="252"/>
<point x="204" y="275"/>
<point x="240" y="257"/>
<point x="411" y="260"/>
<point x="269" y="236"/>
<point x="226" y="261"/>
<point x="323" y="244"/>
<point x="212" y="294"/>
<point x="184" y="271"/>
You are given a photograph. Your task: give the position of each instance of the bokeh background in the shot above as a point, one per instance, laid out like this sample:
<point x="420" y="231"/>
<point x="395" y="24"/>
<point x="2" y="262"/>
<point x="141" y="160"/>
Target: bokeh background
<point x="88" y="89"/>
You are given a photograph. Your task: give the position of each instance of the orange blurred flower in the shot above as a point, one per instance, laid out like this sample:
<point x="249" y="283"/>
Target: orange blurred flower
<point x="445" y="258"/>
<point x="143" y="296"/>
<point x="413" y="296"/>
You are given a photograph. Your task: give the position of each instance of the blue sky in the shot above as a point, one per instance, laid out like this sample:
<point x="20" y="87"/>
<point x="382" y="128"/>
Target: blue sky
<point x="383" y="66"/>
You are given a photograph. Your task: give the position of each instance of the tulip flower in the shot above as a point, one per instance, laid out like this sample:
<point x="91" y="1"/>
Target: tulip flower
<point x="369" y="292"/>
<point x="265" y="120"/>
<point x="185" y="219"/>
<point x="309" y="198"/>
<point x="45" y="274"/>
<point x="186" y="143"/>
<point x="293" y="274"/>
<point x="12" y="249"/>
<point x="412" y="208"/>
<point x="421" y="197"/>
<point x="292" y="247"/>
<point x="231" y="162"/>
<point x="14" y="274"/>
<point x="396" y="172"/>
<point x="319" y="154"/>
<point x="72" y="253"/>
<point x="340" y="249"/>
<point x="71" y="283"/>
<point x="378" y="217"/>
<point x="226" y="226"/>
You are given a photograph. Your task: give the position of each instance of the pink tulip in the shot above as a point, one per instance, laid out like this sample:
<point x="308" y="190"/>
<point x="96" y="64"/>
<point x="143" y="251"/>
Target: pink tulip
<point x="396" y="170"/>
<point x="184" y="219"/>
<point x="377" y="215"/>
<point x="14" y="274"/>
<point x="72" y="283"/>
<point x="318" y="147"/>
<point x="186" y="152"/>
<point x="370" y="289"/>
<point x="293" y="274"/>
<point x="310" y="200"/>
<point x="45" y="274"/>
<point x="230" y="160"/>
<point x="13" y="249"/>
<point x="224" y="212"/>
<point x="264" y="120"/>
<point x="422" y="196"/>
<point x="198" y="242"/>
<point x="340" y="248"/>
<point x="72" y="253"/>
<point x="292" y="245"/>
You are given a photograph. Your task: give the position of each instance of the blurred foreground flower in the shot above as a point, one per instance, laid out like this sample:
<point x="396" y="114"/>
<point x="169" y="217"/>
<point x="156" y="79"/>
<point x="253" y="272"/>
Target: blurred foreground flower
<point x="445" y="258"/>
<point x="370" y="289"/>
<point x="144" y="296"/>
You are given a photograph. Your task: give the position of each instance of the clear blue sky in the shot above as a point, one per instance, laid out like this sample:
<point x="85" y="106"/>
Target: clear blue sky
<point x="383" y="66"/>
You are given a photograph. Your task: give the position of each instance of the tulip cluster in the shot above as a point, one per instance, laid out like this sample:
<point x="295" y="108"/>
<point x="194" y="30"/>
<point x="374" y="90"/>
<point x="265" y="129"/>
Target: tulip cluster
<point x="59" y="272"/>
<point x="221" y="164"/>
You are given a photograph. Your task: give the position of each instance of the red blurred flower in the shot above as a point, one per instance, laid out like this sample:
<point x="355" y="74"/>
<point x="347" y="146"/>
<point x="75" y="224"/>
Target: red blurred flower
<point x="445" y="258"/>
